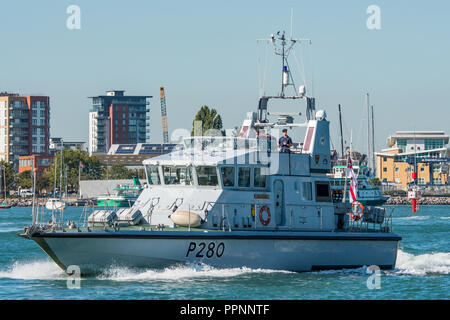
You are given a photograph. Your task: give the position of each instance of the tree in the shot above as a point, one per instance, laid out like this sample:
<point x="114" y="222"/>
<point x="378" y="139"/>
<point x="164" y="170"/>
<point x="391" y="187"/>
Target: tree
<point x="91" y="168"/>
<point x="42" y="182"/>
<point x="25" y="179"/>
<point x="10" y="174"/>
<point x="118" y="171"/>
<point x="375" y="182"/>
<point x="210" y="120"/>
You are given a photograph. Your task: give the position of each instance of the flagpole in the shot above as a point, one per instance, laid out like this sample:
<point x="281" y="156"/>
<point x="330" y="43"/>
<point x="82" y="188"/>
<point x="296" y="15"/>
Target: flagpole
<point x="79" y="175"/>
<point x="345" y="183"/>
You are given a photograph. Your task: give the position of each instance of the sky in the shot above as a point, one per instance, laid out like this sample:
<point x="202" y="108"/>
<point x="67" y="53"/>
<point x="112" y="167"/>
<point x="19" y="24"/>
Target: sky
<point x="205" y="53"/>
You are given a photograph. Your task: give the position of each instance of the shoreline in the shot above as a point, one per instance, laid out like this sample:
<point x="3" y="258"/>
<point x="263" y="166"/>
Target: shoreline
<point x="398" y="201"/>
<point x="432" y="201"/>
<point x="28" y="202"/>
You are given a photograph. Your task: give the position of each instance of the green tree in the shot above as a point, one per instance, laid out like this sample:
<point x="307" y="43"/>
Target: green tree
<point x="375" y="182"/>
<point x="25" y="180"/>
<point x="118" y="171"/>
<point x="91" y="168"/>
<point x="10" y="175"/>
<point x="43" y="182"/>
<point x="210" y="120"/>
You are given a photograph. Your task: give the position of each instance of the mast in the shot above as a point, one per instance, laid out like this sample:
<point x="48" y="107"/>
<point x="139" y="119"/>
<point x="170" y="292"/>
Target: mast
<point x="4" y="180"/>
<point x="368" y="131"/>
<point x="61" y="173"/>
<point x="33" y="209"/>
<point x="373" y="143"/>
<point x="54" y="187"/>
<point x="79" y="179"/>
<point x="351" y="141"/>
<point x="342" y="137"/>
<point x="283" y="47"/>
<point x="65" y="182"/>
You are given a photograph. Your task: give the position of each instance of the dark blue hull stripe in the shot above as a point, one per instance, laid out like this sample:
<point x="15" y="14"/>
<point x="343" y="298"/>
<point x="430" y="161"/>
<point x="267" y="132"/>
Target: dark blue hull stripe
<point x="206" y="236"/>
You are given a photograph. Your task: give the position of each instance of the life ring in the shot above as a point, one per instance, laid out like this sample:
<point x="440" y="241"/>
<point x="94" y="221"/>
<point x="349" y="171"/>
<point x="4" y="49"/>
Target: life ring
<point x="264" y="222"/>
<point x="354" y="214"/>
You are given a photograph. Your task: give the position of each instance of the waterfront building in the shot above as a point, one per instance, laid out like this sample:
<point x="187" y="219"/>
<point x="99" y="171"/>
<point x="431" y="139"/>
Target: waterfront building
<point x="427" y="150"/>
<point x="57" y="144"/>
<point x="116" y="118"/>
<point x="24" y="126"/>
<point x="40" y="163"/>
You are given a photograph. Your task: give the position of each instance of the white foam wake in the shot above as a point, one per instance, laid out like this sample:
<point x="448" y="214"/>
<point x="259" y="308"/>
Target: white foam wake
<point x="34" y="270"/>
<point x="182" y="272"/>
<point x="423" y="264"/>
<point x="5" y="230"/>
<point x="413" y="218"/>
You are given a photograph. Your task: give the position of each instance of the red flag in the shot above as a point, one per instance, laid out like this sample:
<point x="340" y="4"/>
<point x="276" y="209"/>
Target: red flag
<point x="353" y="181"/>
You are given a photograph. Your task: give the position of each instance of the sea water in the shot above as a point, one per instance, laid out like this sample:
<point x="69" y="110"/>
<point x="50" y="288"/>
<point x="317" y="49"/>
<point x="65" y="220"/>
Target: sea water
<point x="422" y="270"/>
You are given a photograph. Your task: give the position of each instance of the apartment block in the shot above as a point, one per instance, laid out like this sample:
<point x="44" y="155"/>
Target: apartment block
<point x="24" y="126"/>
<point x="116" y="118"/>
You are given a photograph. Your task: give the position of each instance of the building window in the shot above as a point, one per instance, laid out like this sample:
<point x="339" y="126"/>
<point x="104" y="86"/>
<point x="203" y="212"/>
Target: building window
<point x="397" y="169"/>
<point x="434" y="144"/>
<point x="384" y="159"/>
<point x="422" y="169"/>
<point x="384" y="169"/>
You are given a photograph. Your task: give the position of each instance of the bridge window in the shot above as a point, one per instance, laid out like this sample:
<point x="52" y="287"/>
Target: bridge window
<point x="177" y="175"/>
<point x="207" y="176"/>
<point x="244" y="177"/>
<point x="227" y="176"/>
<point x="259" y="178"/>
<point x="152" y="174"/>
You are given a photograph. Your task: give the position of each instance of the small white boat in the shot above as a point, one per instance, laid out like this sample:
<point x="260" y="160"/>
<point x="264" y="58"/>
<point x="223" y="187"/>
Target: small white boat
<point x="55" y="204"/>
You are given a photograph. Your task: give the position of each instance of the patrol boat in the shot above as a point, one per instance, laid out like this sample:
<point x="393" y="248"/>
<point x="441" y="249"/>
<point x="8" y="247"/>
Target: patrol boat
<point x="234" y="202"/>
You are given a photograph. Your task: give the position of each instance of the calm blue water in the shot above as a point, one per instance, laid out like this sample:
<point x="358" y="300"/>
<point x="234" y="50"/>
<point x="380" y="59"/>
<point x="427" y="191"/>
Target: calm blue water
<point x="422" y="270"/>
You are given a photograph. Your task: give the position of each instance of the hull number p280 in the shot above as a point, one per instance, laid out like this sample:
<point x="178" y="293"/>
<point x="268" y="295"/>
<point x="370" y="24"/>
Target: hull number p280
<point x="201" y="250"/>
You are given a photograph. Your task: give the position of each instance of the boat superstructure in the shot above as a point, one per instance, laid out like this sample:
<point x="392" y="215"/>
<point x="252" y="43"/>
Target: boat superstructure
<point x="234" y="202"/>
<point x="367" y="194"/>
<point x="124" y="196"/>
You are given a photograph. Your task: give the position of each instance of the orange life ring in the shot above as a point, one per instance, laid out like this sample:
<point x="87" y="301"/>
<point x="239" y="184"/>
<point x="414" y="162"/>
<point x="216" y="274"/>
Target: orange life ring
<point x="264" y="222"/>
<point x="355" y="216"/>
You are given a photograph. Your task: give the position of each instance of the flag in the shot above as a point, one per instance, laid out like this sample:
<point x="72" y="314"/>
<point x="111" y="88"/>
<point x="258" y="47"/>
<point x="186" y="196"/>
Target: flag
<point x="353" y="181"/>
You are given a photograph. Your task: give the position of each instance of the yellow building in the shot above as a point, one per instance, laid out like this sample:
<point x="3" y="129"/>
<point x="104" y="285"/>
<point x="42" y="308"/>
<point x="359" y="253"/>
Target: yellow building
<point x="427" y="149"/>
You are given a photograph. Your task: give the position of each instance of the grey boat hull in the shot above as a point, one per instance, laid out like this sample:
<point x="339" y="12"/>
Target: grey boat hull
<point x="305" y="251"/>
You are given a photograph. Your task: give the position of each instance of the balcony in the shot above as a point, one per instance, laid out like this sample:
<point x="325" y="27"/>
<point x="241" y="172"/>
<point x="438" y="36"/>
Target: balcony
<point x="18" y="116"/>
<point x="19" y="125"/>
<point x="13" y="106"/>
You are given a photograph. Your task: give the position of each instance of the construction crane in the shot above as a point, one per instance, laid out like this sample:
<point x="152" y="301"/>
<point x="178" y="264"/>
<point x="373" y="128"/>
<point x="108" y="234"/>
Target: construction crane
<point x="164" y="115"/>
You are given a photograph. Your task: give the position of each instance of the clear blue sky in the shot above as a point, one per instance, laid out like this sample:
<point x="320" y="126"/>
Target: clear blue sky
<point x="204" y="52"/>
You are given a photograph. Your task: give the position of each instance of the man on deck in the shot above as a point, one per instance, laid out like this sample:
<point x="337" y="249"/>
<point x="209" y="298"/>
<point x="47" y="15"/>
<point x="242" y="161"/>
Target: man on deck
<point x="285" y="142"/>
